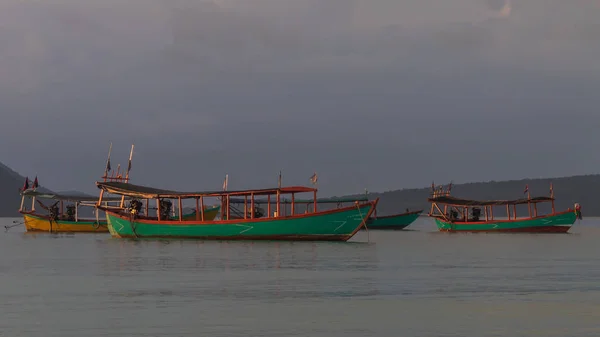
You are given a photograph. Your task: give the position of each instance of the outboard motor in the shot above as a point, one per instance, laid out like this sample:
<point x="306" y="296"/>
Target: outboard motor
<point x="578" y="211"/>
<point x="476" y="212"/>
<point x="258" y="212"/>
<point x="135" y="206"/>
<point x="71" y="212"/>
<point x="165" y="209"/>
<point x="53" y="210"/>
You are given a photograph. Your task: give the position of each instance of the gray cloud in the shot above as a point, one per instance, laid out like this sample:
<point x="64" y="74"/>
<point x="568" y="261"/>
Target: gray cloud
<point x="380" y="94"/>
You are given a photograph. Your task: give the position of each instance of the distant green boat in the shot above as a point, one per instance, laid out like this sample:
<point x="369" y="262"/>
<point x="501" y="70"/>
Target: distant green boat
<point x="389" y="222"/>
<point x="331" y="225"/>
<point x="453" y="214"/>
<point x="396" y="221"/>
<point x="556" y="223"/>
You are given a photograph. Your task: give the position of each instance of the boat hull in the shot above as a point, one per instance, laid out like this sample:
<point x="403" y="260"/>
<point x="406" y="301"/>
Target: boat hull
<point x="37" y="223"/>
<point x="397" y="221"/>
<point x="556" y="223"/>
<point x="333" y="225"/>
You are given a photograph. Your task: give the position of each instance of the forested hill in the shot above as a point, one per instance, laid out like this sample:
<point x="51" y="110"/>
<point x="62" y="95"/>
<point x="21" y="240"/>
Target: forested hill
<point x="10" y="183"/>
<point x="567" y="191"/>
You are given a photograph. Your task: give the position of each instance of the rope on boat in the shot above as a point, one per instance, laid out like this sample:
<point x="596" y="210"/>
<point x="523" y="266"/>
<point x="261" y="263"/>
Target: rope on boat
<point x="131" y="221"/>
<point x="365" y="221"/>
<point x="15" y="224"/>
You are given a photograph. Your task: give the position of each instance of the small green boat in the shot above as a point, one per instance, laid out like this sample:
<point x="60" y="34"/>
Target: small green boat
<point x="453" y="214"/>
<point x="312" y="225"/>
<point x="396" y="221"/>
<point x="390" y="222"/>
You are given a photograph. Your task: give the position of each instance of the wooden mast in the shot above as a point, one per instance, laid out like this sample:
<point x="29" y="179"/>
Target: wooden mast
<point x="127" y="174"/>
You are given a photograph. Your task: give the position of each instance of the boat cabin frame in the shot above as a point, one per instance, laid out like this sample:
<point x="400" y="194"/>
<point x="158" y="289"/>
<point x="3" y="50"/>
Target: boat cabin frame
<point x="227" y="199"/>
<point x="63" y="200"/>
<point x="456" y="210"/>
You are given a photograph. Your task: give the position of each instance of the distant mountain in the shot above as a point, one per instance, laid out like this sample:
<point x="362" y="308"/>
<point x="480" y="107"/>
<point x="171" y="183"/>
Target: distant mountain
<point x="10" y="183"/>
<point x="567" y="191"/>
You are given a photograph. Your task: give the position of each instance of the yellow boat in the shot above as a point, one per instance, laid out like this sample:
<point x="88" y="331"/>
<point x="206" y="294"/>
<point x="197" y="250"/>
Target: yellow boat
<point x="55" y="219"/>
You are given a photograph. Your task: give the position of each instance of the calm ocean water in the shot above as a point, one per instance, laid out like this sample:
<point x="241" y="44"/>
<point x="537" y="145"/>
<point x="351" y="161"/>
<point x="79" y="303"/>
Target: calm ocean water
<point x="410" y="283"/>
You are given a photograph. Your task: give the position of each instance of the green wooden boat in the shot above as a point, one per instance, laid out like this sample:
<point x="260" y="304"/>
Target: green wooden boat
<point x="554" y="223"/>
<point x="453" y="214"/>
<point x="331" y="225"/>
<point x="396" y="221"/>
<point x="389" y="222"/>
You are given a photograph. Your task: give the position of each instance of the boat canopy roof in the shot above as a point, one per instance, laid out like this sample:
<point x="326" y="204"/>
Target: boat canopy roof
<point x="64" y="197"/>
<point x="303" y="201"/>
<point x="145" y="192"/>
<point x="449" y="200"/>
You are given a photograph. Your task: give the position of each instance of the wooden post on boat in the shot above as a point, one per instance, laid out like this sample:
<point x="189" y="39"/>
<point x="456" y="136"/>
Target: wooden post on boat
<point x="268" y="206"/>
<point x="158" y="208"/>
<point x="529" y="208"/>
<point x="491" y="212"/>
<point x="228" y="206"/>
<point x="252" y="205"/>
<point x="508" y="211"/>
<point x="245" y="207"/>
<point x="315" y="202"/>
<point x="486" y="213"/>
<point x="197" y="209"/>
<point x="22" y="202"/>
<point x="76" y="211"/>
<point x="202" y="208"/>
<point x="180" y="210"/>
<point x="293" y="205"/>
<point x="127" y="174"/>
<point x="278" y="204"/>
<point x="223" y="211"/>
<point x="147" y="207"/>
<point x="515" y="211"/>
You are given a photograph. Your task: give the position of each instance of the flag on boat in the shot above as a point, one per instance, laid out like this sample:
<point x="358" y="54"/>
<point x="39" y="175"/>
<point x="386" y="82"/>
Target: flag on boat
<point x="526" y="189"/>
<point x="313" y="178"/>
<point x="26" y="185"/>
<point x="108" y="168"/>
<point x="225" y="182"/>
<point x="551" y="191"/>
<point x="35" y="183"/>
<point x="279" y="181"/>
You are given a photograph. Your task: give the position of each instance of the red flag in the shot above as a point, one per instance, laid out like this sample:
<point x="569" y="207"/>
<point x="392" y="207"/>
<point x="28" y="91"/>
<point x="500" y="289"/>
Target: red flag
<point x="26" y="185"/>
<point x="313" y="178"/>
<point x="526" y="189"/>
<point x="35" y="183"/>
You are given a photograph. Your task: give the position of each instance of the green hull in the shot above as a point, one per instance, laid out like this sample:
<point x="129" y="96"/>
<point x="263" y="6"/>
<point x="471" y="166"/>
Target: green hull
<point x="398" y="221"/>
<point x="556" y="223"/>
<point x="333" y="225"/>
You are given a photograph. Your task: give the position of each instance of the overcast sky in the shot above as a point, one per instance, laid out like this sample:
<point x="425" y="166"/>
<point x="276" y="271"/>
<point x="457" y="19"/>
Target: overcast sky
<point x="377" y="94"/>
